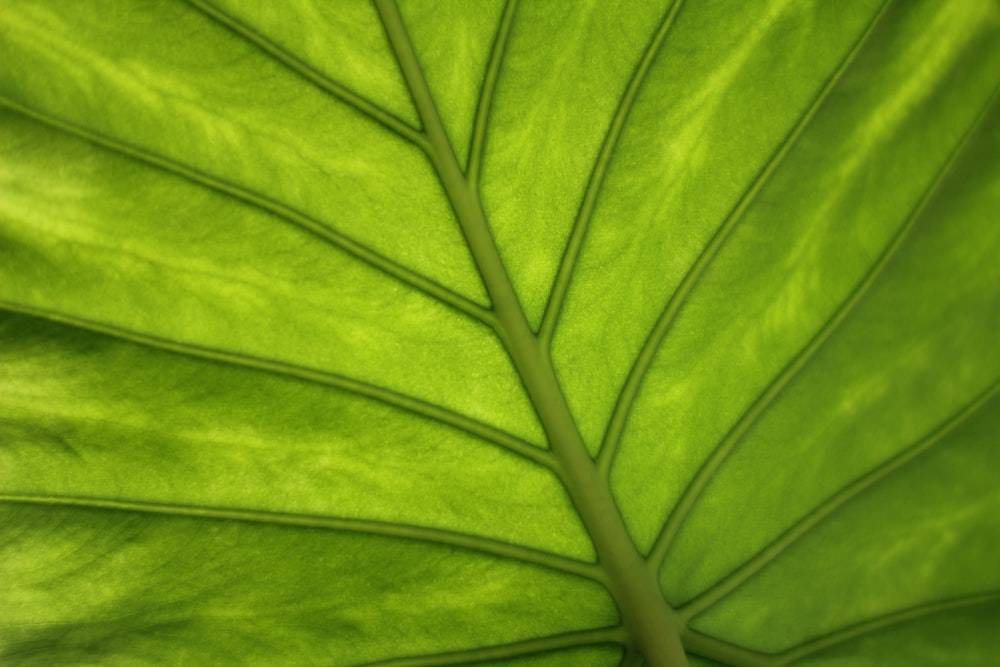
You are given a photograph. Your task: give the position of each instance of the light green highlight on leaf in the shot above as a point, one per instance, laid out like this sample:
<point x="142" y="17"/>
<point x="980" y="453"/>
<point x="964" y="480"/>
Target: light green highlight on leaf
<point x="511" y="333"/>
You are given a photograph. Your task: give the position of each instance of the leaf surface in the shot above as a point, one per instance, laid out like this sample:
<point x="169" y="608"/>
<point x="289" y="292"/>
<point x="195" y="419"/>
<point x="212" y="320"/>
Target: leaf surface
<point x="505" y="333"/>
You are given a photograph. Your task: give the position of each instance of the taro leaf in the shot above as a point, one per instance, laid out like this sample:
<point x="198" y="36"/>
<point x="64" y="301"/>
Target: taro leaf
<point x="537" y="334"/>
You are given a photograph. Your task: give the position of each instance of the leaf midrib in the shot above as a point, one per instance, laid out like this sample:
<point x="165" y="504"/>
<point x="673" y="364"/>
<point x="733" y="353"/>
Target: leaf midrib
<point x="645" y="614"/>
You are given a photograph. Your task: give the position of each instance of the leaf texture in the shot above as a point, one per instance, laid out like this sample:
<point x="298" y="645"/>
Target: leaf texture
<point x="499" y="333"/>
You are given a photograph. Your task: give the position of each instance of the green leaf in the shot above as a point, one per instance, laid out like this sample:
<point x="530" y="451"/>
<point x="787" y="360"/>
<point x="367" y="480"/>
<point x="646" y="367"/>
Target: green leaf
<point x="513" y="333"/>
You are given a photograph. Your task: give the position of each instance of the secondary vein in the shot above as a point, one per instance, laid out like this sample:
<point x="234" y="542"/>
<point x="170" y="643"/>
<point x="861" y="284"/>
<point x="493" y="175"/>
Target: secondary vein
<point x="475" y="162"/>
<point x="359" y="251"/>
<point x="839" y="637"/>
<point x="574" y="245"/>
<point x="723" y="652"/>
<point x="633" y="383"/>
<point x="372" y="527"/>
<point x="352" y="386"/>
<point x="823" y="511"/>
<point x="360" y="104"/>
<point x="511" y="650"/>
<point x="735" y="435"/>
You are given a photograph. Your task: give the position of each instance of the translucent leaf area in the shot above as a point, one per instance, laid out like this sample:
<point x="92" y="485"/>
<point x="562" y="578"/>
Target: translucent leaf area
<point x="529" y="334"/>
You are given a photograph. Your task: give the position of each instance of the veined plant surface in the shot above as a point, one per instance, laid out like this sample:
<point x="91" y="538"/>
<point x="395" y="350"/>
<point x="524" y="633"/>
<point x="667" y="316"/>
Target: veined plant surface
<point x="520" y="333"/>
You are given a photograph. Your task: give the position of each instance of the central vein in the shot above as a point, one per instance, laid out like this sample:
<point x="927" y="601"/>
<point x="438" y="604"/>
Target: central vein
<point x="650" y="623"/>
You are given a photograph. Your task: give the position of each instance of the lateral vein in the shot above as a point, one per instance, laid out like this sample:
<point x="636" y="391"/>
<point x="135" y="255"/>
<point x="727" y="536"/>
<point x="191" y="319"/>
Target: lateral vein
<point x="633" y="383"/>
<point x="567" y="265"/>
<point x="882" y="622"/>
<point x="478" y="143"/>
<point x="360" y="104"/>
<point x="723" y="652"/>
<point x="359" y="251"/>
<point x="823" y="511"/>
<point x="735" y="435"/>
<point x="389" y="397"/>
<point x="367" y="526"/>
